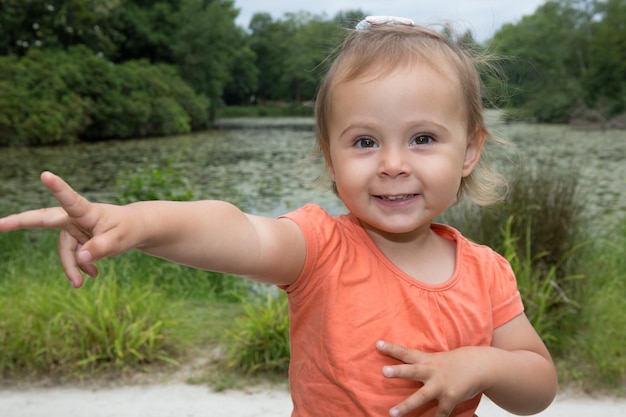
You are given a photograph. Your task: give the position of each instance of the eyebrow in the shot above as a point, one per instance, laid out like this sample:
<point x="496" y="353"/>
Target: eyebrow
<point x="373" y="126"/>
<point x="369" y="126"/>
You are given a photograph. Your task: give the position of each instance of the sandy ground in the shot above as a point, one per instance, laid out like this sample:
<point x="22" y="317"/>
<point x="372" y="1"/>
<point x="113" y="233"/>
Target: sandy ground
<point x="178" y="399"/>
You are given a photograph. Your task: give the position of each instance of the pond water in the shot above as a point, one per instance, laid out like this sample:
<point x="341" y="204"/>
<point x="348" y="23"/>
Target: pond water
<point x="261" y="170"/>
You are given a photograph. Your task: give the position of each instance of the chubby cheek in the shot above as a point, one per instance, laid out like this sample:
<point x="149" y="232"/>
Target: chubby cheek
<point x="439" y="182"/>
<point x="345" y="182"/>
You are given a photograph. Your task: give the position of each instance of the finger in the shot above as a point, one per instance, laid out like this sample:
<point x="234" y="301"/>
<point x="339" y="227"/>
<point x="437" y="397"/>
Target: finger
<point x="402" y="353"/>
<point x="47" y="218"/>
<point x="74" y="204"/>
<point x="411" y="372"/>
<point x="67" y="247"/>
<point x="85" y="262"/>
<point x="415" y="401"/>
<point x="444" y="410"/>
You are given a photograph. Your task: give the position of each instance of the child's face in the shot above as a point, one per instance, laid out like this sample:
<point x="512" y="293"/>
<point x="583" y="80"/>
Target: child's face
<point x="399" y="147"/>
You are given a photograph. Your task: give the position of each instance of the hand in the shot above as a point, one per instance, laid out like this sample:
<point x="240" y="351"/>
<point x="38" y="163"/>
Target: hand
<point x="448" y="377"/>
<point x="88" y="231"/>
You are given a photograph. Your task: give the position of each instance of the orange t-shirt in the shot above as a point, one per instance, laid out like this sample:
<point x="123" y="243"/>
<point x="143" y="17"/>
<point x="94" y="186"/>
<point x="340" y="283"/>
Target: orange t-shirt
<point x="349" y="295"/>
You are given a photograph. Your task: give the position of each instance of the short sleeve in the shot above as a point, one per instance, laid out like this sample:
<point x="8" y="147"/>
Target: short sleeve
<point x="506" y="299"/>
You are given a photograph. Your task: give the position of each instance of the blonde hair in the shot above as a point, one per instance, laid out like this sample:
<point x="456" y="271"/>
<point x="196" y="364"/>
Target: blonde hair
<point x="381" y="49"/>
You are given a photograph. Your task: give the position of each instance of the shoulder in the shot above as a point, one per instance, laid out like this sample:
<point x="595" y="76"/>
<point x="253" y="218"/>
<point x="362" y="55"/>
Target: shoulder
<point x="308" y="212"/>
<point x="472" y="253"/>
<point x="311" y="218"/>
<point x="316" y="222"/>
<point x="483" y="270"/>
<point x="330" y="240"/>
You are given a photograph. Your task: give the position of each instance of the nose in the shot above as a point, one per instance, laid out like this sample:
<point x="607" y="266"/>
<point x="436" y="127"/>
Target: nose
<point x="394" y="161"/>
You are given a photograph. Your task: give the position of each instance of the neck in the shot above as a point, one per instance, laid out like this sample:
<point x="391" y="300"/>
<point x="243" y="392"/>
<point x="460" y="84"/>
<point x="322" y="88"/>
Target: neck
<point x="421" y="254"/>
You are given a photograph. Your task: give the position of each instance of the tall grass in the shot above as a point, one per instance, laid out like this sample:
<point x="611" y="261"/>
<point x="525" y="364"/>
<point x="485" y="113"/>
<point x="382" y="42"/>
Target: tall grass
<point x="597" y="355"/>
<point x="544" y="198"/>
<point x="47" y="327"/>
<point x="138" y="313"/>
<point x="176" y="281"/>
<point x="259" y="340"/>
<point x="571" y="271"/>
<point x="545" y="299"/>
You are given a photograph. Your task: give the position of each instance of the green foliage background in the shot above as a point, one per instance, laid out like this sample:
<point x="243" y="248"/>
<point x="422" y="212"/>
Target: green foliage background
<point x="567" y="61"/>
<point x="98" y="69"/>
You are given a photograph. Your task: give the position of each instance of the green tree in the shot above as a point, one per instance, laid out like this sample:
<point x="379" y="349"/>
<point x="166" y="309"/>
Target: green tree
<point x="307" y="48"/>
<point x="268" y="41"/>
<point x="244" y="74"/>
<point x="567" y="56"/>
<point x="26" y="24"/>
<point x="144" y="29"/>
<point x="207" y="44"/>
<point x="545" y="63"/>
<point x="605" y="76"/>
<point x="291" y="53"/>
<point x="349" y="18"/>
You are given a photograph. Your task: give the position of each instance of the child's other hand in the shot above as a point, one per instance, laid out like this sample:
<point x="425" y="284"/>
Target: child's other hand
<point x="448" y="377"/>
<point x="89" y="231"/>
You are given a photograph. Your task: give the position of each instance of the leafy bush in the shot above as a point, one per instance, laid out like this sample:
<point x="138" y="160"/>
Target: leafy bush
<point x="36" y="106"/>
<point x="153" y="184"/>
<point x="61" y="97"/>
<point x="259" y="341"/>
<point x="196" y="106"/>
<point x="135" y="99"/>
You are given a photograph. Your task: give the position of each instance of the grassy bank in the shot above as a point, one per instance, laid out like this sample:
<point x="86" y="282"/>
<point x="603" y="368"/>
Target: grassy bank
<point x="139" y="313"/>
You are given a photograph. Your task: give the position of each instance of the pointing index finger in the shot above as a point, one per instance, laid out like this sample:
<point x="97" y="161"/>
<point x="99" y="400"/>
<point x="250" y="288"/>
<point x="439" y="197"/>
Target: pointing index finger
<point x="72" y="202"/>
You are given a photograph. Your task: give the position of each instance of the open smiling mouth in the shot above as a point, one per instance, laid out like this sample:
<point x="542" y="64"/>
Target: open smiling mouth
<point x="396" y="197"/>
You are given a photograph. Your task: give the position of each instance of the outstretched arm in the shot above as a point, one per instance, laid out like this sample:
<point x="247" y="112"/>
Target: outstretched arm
<point x="516" y="372"/>
<point x="212" y="235"/>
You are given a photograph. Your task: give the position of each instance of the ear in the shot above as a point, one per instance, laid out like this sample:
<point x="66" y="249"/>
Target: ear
<point x="472" y="152"/>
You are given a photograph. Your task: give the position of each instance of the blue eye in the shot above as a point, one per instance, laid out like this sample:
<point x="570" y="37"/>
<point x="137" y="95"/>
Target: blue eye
<point x="365" y="142"/>
<point x="423" y="139"/>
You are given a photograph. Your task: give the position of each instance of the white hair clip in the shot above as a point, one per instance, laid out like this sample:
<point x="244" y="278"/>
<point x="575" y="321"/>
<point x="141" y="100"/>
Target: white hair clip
<point x="371" y="21"/>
